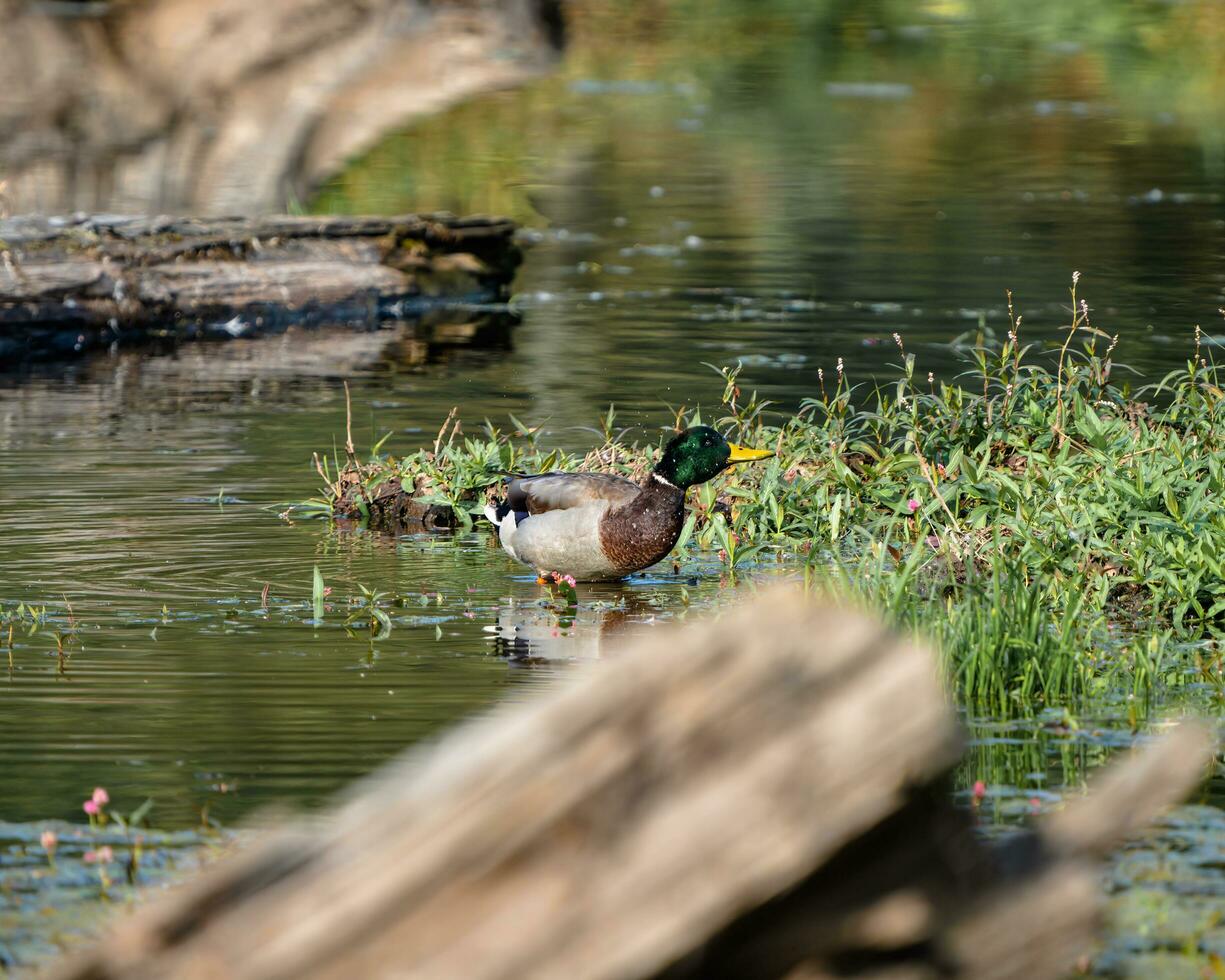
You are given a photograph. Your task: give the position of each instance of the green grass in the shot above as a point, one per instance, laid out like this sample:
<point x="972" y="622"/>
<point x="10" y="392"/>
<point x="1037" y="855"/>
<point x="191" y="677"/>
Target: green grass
<point x="1050" y="528"/>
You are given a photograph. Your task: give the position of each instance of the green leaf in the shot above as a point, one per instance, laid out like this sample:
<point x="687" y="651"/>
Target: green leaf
<point x="383" y="620"/>
<point x="141" y="813"/>
<point x="317" y="593"/>
<point x="687" y="530"/>
<point x="374" y="451"/>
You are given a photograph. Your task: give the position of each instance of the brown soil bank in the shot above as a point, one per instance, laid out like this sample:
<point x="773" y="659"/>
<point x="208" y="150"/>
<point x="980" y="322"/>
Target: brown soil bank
<point x="68" y="285"/>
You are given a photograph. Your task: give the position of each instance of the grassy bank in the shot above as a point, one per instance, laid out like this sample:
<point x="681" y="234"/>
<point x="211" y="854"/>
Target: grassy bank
<point x="1050" y="527"/>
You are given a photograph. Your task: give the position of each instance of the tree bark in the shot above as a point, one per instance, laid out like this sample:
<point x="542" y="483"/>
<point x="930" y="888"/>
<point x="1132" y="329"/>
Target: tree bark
<point x="229" y="106"/>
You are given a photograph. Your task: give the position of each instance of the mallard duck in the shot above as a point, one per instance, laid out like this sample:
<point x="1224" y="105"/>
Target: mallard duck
<point x="597" y="526"/>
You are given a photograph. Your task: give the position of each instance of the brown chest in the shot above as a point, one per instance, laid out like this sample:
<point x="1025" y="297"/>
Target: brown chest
<point x="644" y="531"/>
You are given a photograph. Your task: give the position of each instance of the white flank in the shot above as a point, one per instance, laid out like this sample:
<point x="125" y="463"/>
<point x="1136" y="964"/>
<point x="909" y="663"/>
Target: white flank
<point x="566" y="541"/>
<point x="506" y="534"/>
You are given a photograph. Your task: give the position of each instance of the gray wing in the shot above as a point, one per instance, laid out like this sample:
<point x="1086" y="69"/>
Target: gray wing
<point x="561" y="491"/>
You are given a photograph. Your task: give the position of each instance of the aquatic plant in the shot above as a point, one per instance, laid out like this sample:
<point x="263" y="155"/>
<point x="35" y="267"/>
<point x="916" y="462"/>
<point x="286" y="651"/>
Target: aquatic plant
<point x="1027" y="516"/>
<point x="563" y="587"/>
<point x="23" y="614"/>
<point x="95" y="807"/>
<point x="102" y="858"/>
<point x="318" y="593"/>
<point x="365" y="610"/>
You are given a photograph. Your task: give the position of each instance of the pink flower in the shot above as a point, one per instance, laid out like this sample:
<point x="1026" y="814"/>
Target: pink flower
<point x="101" y="797"/>
<point x="913" y="504"/>
<point x="49" y="840"/>
<point x="1035" y="804"/>
<point x="980" y="790"/>
<point x="91" y="807"/>
<point x="570" y="581"/>
<point x="103" y="855"/>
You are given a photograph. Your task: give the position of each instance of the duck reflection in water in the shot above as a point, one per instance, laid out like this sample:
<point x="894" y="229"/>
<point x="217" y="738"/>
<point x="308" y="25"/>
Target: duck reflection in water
<point x="527" y="633"/>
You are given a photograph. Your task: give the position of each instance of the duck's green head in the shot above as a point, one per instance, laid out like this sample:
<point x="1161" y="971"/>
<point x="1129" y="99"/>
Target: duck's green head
<point x="700" y="454"/>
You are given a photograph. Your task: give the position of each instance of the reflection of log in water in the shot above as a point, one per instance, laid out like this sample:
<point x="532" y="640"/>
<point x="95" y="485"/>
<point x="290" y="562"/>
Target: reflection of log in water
<point x="232" y="106"/>
<point x="332" y="352"/>
<point x="69" y="287"/>
<point x="299" y="368"/>
<point x="436" y="336"/>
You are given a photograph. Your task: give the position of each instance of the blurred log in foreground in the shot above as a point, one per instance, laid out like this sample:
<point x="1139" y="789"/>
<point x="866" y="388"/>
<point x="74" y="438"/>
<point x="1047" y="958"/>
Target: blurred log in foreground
<point x="67" y="285"/>
<point x="765" y="795"/>
<point x="234" y="106"/>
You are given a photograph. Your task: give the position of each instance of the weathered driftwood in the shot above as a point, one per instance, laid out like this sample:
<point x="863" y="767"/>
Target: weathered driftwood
<point x="763" y="795"/>
<point x="70" y="284"/>
<point x="232" y="106"/>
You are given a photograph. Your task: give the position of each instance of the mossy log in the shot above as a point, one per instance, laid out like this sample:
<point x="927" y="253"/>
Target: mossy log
<point x="67" y="285"/>
<point x="764" y="795"/>
<point x="390" y="506"/>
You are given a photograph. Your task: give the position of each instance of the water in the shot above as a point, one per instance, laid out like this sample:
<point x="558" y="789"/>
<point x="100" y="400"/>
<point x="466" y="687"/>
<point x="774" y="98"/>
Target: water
<point x="180" y="680"/>
<point x="792" y="190"/>
<point x="784" y="190"/>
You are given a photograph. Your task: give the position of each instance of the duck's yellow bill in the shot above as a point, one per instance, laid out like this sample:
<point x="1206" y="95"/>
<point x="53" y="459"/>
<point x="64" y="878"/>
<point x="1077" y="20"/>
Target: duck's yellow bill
<point x="742" y="455"/>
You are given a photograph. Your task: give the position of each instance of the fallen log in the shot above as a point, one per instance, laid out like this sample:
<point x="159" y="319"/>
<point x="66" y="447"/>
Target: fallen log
<point x="68" y="285"/>
<point x="765" y="795"/>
